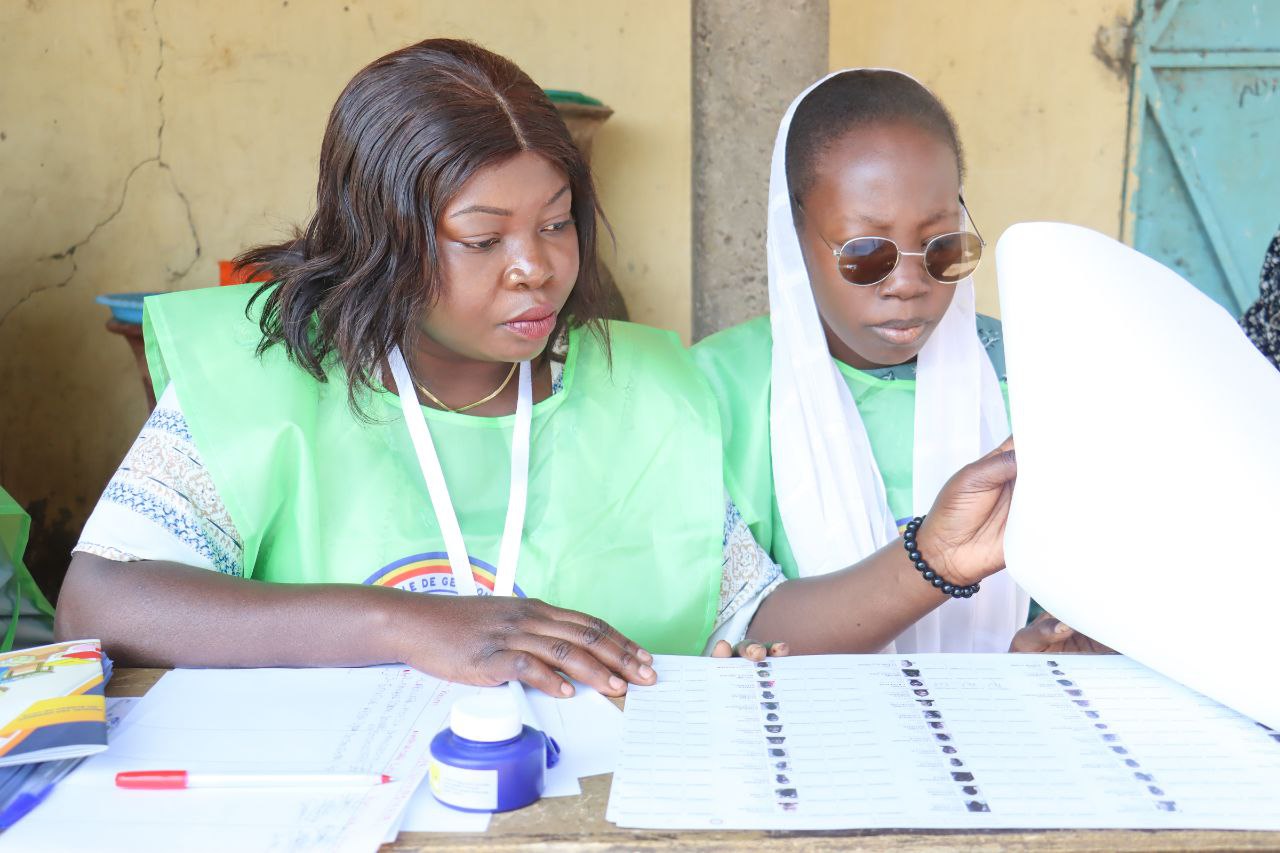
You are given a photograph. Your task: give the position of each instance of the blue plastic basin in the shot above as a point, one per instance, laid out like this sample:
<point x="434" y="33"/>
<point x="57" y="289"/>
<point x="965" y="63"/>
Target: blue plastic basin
<point x="125" y="307"/>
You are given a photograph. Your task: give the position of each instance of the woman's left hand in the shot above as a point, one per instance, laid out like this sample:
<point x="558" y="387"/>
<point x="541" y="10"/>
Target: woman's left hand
<point x="750" y="649"/>
<point x="1047" y="635"/>
<point x="963" y="535"/>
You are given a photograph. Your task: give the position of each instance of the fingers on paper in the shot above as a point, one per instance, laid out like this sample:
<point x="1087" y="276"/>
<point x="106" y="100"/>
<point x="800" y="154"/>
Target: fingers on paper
<point x="996" y="469"/>
<point x="756" y="650"/>
<point x="595" y="629"/>
<point x="753" y="650"/>
<point x="1042" y="635"/>
<point x="591" y="653"/>
<point x="527" y="668"/>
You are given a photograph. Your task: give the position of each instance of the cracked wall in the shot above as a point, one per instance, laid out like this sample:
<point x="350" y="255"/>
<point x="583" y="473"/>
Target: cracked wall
<point x="143" y="140"/>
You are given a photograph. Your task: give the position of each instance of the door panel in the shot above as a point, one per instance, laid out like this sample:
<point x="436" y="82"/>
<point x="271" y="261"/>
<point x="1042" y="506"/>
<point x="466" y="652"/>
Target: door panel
<point x="1202" y="191"/>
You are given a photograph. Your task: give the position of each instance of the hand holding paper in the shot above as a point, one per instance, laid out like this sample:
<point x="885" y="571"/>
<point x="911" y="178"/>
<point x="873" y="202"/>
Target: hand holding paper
<point x="1148" y="461"/>
<point x="1050" y="636"/>
<point x="965" y="528"/>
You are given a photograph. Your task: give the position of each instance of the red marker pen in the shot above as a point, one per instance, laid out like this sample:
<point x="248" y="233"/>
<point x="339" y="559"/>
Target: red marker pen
<point x="172" y="780"/>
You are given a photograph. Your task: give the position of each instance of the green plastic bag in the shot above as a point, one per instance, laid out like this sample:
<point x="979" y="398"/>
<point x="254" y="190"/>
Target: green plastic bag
<point x="29" y="617"/>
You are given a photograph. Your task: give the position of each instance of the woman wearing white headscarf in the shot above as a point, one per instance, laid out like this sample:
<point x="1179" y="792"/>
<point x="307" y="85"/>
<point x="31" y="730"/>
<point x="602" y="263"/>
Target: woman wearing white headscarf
<point x="872" y="380"/>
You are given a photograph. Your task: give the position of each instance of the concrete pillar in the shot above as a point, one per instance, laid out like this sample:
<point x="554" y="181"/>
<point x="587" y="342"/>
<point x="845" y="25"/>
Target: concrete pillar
<point x="750" y="58"/>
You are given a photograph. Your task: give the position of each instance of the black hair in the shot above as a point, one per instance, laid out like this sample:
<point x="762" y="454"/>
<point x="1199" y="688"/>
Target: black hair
<point x="859" y="99"/>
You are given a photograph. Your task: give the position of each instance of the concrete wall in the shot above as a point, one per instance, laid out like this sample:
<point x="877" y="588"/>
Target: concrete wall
<point x="1035" y="88"/>
<point x="143" y="140"/>
<point x="750" y="58"/>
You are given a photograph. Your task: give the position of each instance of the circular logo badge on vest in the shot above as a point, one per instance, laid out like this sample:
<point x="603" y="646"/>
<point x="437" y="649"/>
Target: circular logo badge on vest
<point x="431" y="573"/>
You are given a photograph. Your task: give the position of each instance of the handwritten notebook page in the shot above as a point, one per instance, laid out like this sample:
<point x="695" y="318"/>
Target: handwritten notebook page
<point x="1148" y="435"/>
<point x="937" y="741"/>
<point x="377" y="720"/>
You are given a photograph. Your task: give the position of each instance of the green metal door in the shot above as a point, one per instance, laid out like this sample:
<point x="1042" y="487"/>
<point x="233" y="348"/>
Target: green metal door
<point x="1202" y="190"/>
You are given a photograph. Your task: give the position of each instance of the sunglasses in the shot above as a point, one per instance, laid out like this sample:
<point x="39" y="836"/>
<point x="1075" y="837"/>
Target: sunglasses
<point x="948" y="258"/>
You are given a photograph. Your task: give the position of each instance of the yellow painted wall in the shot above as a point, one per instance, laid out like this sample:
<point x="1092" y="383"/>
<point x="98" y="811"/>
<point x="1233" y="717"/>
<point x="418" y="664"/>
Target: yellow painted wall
<point x="142" y="141"/>
<point x="1042" y="119"/>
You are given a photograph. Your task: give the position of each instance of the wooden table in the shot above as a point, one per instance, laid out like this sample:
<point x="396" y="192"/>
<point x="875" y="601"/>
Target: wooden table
<point x="578" y="824"/>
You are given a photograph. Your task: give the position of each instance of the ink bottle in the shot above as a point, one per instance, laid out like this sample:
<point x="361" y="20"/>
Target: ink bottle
<point x="487" y="760"/>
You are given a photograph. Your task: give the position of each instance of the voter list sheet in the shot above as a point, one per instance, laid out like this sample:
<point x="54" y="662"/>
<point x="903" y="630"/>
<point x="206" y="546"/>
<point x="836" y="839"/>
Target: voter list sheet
<point x="937" y="741"/>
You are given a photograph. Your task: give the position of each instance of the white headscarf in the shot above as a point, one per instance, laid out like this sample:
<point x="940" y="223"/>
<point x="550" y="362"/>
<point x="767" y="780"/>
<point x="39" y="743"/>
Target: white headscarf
<point x="830" y="492"/>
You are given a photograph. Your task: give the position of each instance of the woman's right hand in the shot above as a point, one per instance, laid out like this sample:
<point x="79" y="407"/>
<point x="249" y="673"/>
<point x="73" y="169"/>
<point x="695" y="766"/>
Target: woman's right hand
<point x="487" y="640"/>
<point x="962" y="537"/>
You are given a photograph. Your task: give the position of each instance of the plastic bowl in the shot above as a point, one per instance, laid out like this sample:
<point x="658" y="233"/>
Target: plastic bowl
<point x="125" y="307"/>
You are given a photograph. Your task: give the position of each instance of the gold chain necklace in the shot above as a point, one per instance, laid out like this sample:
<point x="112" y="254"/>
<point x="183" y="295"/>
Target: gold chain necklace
<point x="433" y="398"/>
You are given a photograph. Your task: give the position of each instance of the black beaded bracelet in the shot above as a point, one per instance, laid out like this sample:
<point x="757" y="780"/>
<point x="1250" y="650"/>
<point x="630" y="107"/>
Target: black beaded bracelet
<point x="917" y="560"/>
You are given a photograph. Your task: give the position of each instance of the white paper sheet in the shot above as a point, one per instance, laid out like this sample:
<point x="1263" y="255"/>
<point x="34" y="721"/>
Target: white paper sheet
<point x="368" y="720"/>
<point x="118" y="708"/>
<point x="937" y="741"/>
<point x="1148" y="441"/>
<point x="587" y="727"/>
<point x="423" y="812"/>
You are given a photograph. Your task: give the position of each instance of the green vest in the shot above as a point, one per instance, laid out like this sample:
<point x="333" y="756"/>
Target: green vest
<point x="738" y="363"/>
<point x="626" y="499"/>
<point x="30" y="616"/>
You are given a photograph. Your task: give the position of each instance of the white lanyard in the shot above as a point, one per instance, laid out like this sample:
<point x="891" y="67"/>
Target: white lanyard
<point x="509" y="551"/>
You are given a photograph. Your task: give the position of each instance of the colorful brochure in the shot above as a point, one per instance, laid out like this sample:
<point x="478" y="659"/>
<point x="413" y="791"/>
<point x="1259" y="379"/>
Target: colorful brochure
<point x="51" y="703"/>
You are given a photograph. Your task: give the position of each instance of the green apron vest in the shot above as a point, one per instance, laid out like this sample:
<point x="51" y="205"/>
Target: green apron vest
<point x="30" y="614"/>
<point x="738" y="362"/>
<point x="626" y="499"/>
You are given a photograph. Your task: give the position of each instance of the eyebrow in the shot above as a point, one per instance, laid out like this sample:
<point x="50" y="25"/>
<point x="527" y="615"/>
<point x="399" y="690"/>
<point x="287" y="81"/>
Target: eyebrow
<point x="500" y="211"/>
<point x="940" y="215"/>
<point x="885" y="226"/>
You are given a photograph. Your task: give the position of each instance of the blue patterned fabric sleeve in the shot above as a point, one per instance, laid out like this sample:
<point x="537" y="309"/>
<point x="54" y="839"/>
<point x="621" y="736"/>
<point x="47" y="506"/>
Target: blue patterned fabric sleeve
<point x="747" y="577"/>
<point x="161" y="504"/>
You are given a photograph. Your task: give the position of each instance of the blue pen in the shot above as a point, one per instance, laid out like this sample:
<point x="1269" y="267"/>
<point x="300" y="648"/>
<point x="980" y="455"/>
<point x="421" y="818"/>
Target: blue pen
<point x="12" y="780"/>
<point x="35" y="788"/>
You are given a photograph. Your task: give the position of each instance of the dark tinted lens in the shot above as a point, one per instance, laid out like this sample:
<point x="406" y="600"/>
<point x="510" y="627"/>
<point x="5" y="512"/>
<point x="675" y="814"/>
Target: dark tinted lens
<point x="867" y="260"/>
<point x="951" y="257"/>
